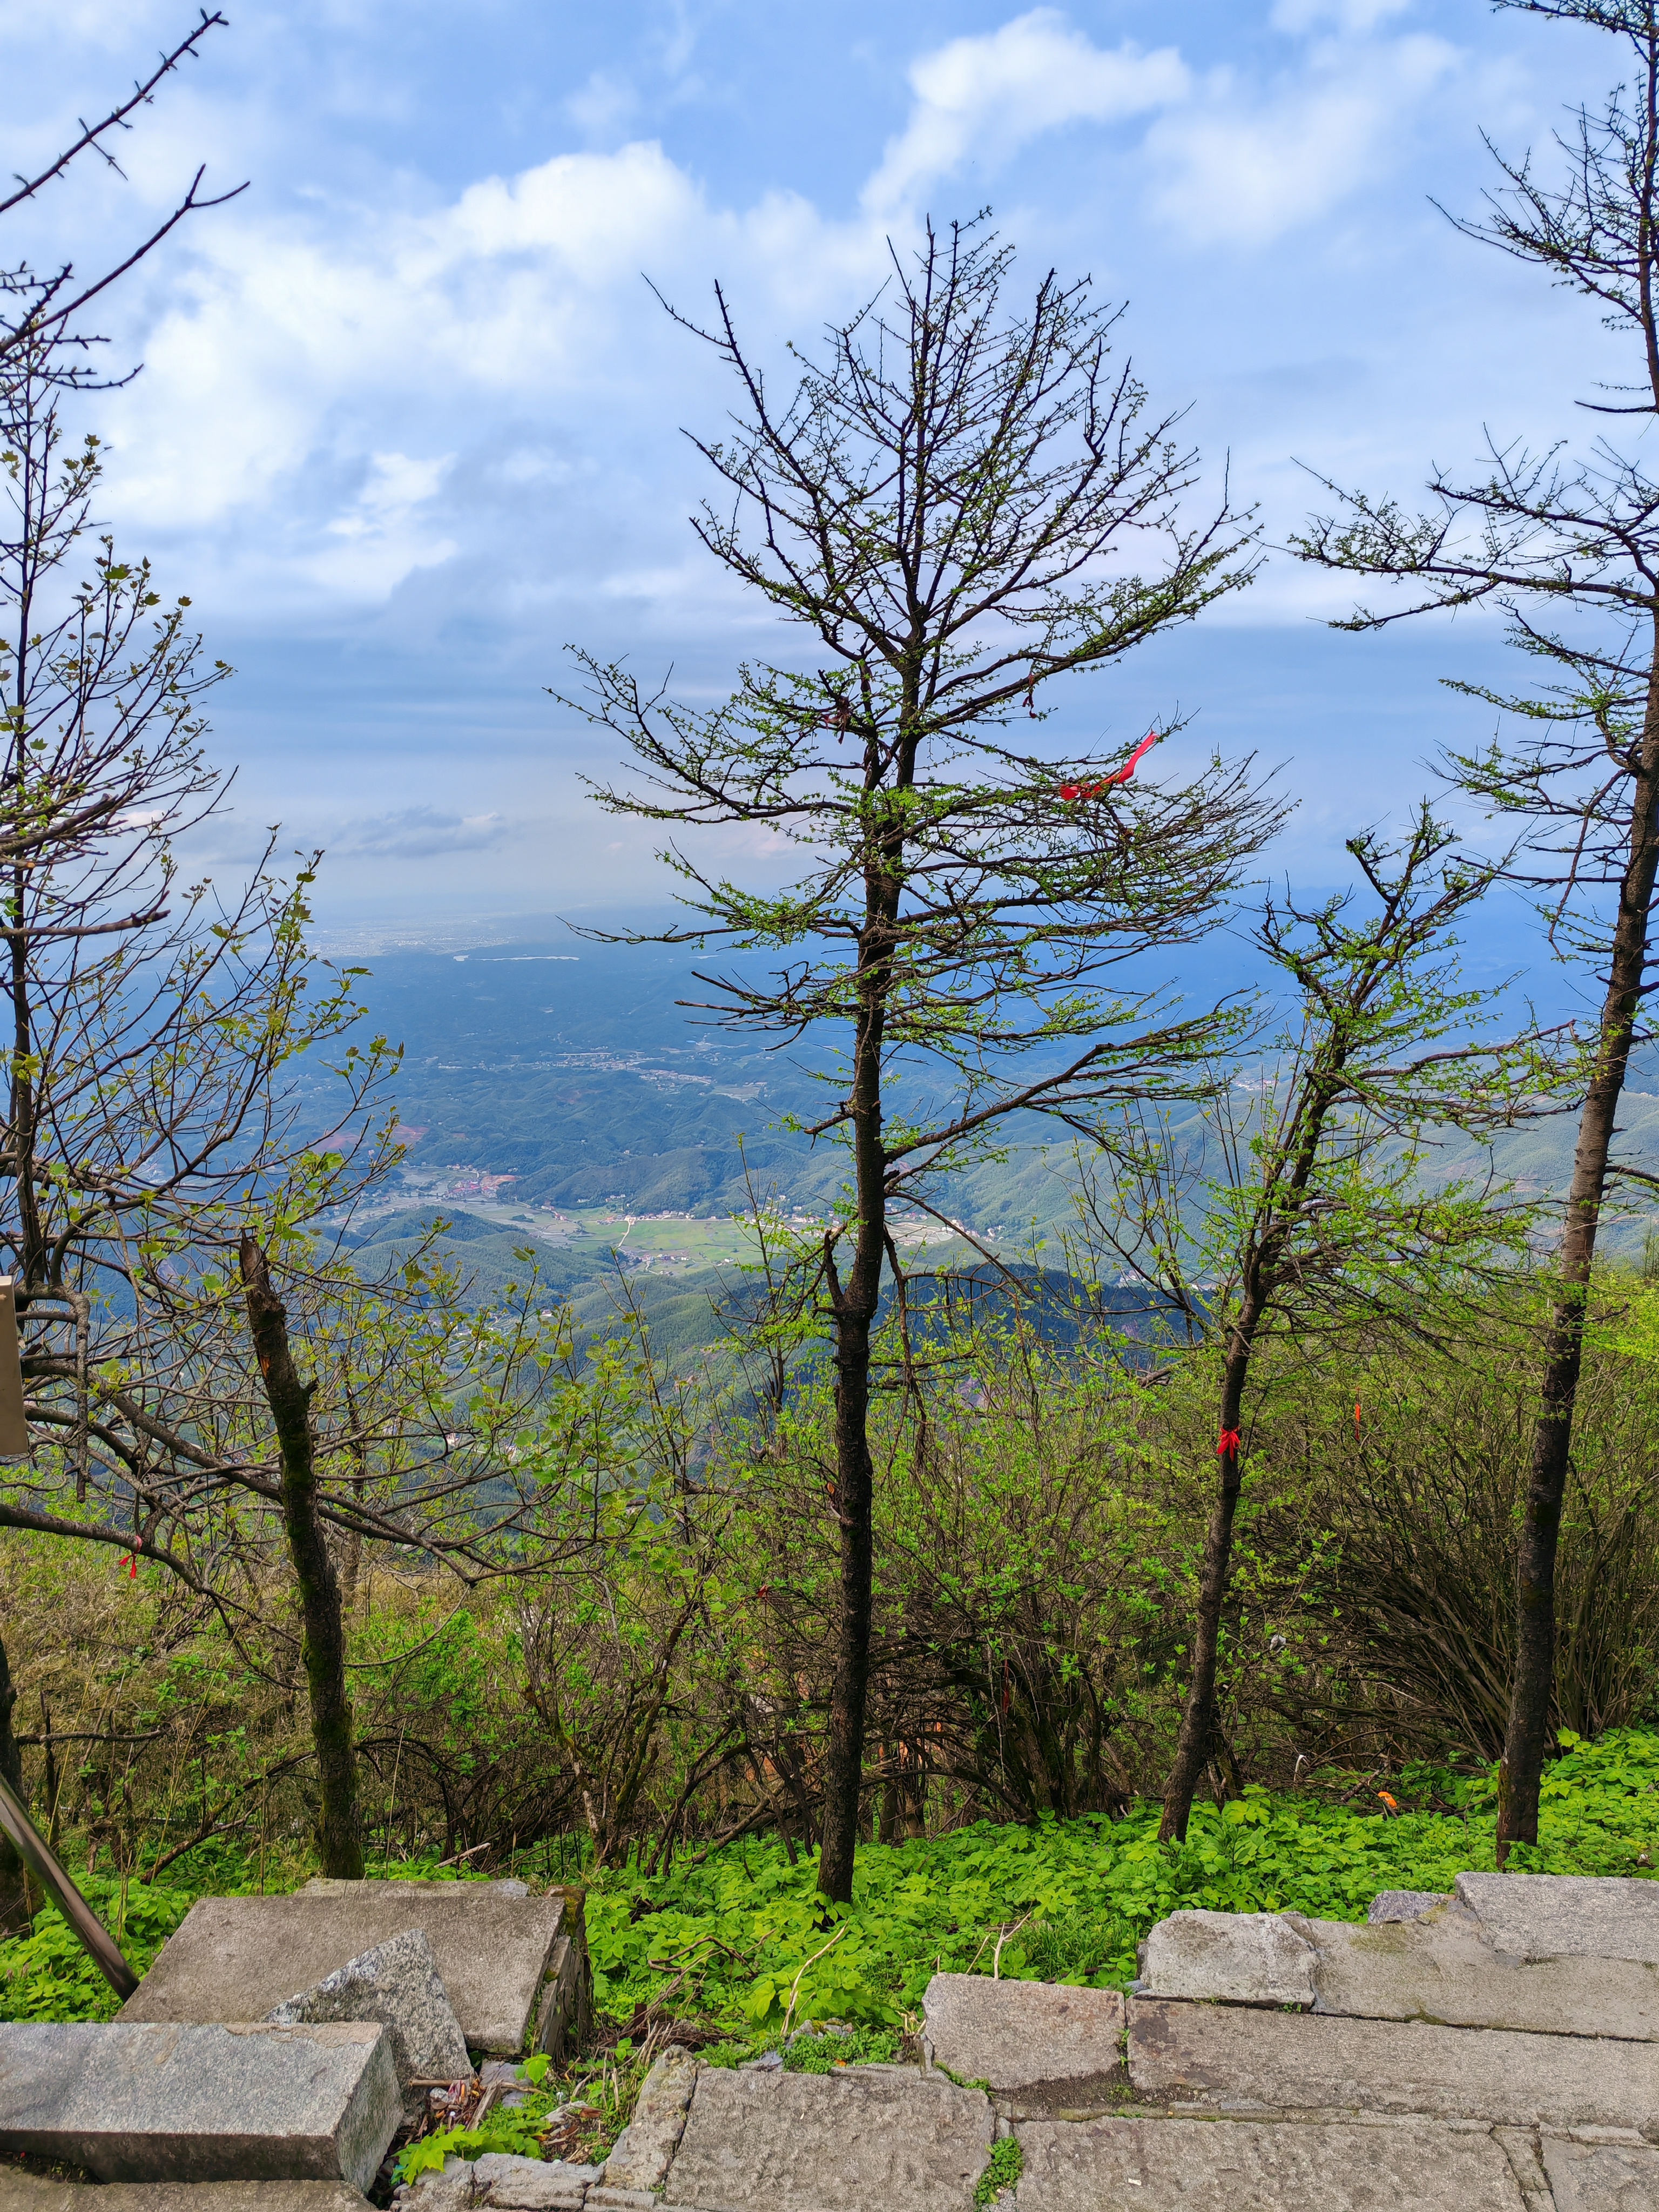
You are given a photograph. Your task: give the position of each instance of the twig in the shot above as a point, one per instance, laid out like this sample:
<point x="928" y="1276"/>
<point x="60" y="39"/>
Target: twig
<point x="996" y="1956"/>
<point x="794" y="1990"/>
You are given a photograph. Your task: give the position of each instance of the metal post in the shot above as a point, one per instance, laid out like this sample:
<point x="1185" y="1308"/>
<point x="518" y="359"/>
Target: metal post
<point x="39" y="1857"/>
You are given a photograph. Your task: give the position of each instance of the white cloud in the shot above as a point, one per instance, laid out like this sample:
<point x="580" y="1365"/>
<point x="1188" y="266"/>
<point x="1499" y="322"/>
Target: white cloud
<point x="418" y="832"/>
<point x="602" y="106"/>
<point x="986" y="96"/>
<point x="1350" y="15"/>
<point x="1242" y="169"/>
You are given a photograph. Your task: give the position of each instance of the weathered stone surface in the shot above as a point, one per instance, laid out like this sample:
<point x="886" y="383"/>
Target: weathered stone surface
<point x="1402" y="1904"/>
<point x="28" y="2192"/>
<point x="530" y="2185"/>
<point x="1438" y="1968"/>
<point x="887" y="2140"/>
<point x="167" y="2103"/>
<point x="398" y="1984"/>
<point x="1241" y="2165"/>
<point x="1565" y="1916"/>
<point x="1602" y="2177"/>
<point x="1024" y="2035"/>
<point x="233" y="1958"/>
<point x="1238" y="1958"/>
<point x="323" y="1885"/>
<point x="646" y="2145"/>
<point x="1229" y="2059"/>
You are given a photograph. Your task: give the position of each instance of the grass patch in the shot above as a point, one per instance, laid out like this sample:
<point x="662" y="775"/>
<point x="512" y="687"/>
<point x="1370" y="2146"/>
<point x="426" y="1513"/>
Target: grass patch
<point x="1007" y="2164"/>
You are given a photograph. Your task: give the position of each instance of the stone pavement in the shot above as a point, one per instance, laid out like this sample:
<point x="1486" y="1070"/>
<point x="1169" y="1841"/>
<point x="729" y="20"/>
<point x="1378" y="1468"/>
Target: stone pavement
<point x="1496" y="2050"/>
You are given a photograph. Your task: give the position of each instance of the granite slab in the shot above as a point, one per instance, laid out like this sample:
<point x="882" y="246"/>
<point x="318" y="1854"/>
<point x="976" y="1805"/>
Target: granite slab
<point x="234" y="1957"/>
<point x="1565" y="1916"/>
<point x="1228" y="1958"/>
<point x="28" y="2192"/>
<point x="1440" y="1967"/>
<point x="1602" y="2177"/>
<point x="867" y="2139"/>
<point x="1030" y="2036"/>
<point x="1229" y="2059"/>
<point x="165" y="2102"/>
<point x="1242" y="2166"/>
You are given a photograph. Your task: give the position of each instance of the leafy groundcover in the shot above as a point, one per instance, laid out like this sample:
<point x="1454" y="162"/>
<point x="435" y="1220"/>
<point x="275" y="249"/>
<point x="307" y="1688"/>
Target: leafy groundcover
<point x="740" y="1939"/>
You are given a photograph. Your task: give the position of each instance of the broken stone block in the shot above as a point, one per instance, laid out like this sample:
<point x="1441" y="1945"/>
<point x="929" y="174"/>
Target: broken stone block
<point x="1230" y="1957"/>
<point x="864" y="2137"/>
<point x="1244" y="2165"/>
<point x="646" y="2145"/>
<point x="1565" y="1916"/>
<point x="28" y="2192"/>
<point x="1026" y="2036"/>
<point x="233" y="1958"/>
<point x="1229" y="2059"/>
<point x="530" y="2185"/>
<point x="1602" y="2177"/>
<point x="1402" y="1904"/>
<point x="1439" y="1968"/>
<point x="130" y="2102"/>
<point x="397" y="1982"/>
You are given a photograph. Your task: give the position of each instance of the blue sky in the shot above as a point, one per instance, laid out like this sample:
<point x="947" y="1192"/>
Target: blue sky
<point x="409" y="419"/>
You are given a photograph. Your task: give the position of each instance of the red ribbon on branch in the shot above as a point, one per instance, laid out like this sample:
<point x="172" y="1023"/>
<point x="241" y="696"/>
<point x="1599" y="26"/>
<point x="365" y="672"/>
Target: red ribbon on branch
<point x="1230" y="1441"/>
<point x="127" y="1561"/>
<point x="1119" y="775"/>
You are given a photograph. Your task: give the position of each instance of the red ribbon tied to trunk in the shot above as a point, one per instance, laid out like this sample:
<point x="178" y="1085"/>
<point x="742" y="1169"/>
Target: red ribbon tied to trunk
<point x="1119" y="775"/>
<point x="1230" y="1441"/>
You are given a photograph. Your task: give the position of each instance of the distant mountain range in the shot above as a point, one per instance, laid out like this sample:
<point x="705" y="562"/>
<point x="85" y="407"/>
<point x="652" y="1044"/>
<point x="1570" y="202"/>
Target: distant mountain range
<point x="562" y="1073"/>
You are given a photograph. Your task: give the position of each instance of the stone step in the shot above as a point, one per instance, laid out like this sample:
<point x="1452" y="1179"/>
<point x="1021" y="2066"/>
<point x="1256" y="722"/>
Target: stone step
<point x="514" y="1965"/>
<point x="863" y="2139"/>
<point x="1040" y="2042"/>
<point x="1441" y="1967"/>
<point x="1230" y="2058"/>
<point x="1241" y="2165"/>
<point x="29" y="2192"/>
<point x="130" y="2102"/>
<point x="1565" y="1916"/>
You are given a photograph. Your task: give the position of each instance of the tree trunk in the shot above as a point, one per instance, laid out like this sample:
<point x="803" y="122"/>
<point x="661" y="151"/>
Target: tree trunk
<point x="1532" y="1696"/>
<point x="1194" y="1745"/>
<point x="855" y="1312"/>
<point x="13" y="1881"/>
<point x="854" y="1512"/>
<point x="339" y="1833"/>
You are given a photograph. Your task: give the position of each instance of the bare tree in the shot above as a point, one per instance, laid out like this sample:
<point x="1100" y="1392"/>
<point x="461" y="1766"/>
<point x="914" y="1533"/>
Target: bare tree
<point x="43" y="305"/>
<point x="1568" y="549"/>
<point x="40" y="341"/>
<point x="960" y="504"/>
<point x="1323" y="1216"/>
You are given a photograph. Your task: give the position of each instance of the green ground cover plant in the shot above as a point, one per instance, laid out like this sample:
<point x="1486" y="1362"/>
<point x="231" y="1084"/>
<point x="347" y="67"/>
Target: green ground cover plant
<point x="739" y="1938"/>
